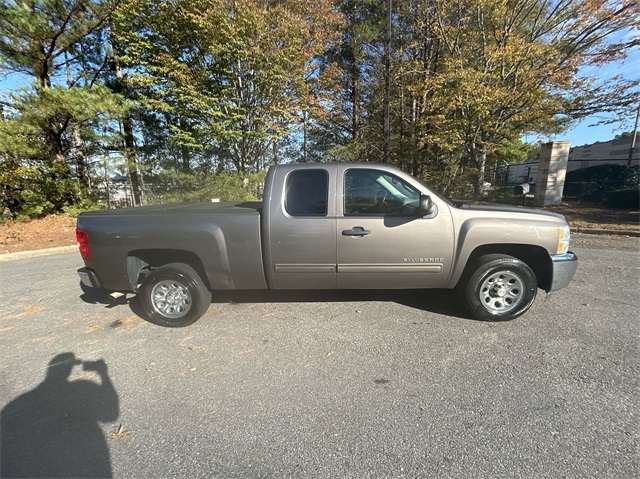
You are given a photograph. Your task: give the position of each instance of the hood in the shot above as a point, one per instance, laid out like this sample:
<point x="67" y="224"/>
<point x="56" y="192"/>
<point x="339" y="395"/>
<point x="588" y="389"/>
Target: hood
<point x="492" y="207"/>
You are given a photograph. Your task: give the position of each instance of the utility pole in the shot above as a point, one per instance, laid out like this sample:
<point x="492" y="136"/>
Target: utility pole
<point x="633" y="138"/>
<point x="387" y="85"/>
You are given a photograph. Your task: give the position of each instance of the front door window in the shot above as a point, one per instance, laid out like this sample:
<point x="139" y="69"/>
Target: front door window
<point x="375" y="193"/>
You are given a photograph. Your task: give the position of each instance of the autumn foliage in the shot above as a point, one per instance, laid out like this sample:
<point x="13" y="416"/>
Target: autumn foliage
<point x="175" y="94"/>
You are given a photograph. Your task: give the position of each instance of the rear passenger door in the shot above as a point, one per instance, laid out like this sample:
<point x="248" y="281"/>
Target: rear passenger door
<point x="302" y="233"/>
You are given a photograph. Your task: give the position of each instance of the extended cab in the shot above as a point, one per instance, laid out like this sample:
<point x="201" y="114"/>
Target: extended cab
<point x="327" y="226"/>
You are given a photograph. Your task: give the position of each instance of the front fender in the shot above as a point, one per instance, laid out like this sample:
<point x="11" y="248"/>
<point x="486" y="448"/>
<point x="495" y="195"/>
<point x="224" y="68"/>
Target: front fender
<point x="497" y="235"/>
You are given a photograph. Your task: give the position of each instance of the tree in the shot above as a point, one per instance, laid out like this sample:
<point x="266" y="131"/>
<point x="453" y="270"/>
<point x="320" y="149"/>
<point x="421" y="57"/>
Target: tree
<point x="340" y="128"/>
<point x="58" y="46"/>
<point x="228" y="76"/>
<point x="469" y="75"/>
<point x="512" y="66"/>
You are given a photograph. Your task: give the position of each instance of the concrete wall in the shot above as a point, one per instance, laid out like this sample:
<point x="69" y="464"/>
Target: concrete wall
<point x="614" y="152"/>
<point x="552" y="169"/>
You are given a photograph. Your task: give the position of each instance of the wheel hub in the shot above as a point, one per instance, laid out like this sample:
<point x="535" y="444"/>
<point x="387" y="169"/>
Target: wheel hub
<point x="498" y="291"/>
<point x="171" y="299"/>
<point x="501" y="291"/>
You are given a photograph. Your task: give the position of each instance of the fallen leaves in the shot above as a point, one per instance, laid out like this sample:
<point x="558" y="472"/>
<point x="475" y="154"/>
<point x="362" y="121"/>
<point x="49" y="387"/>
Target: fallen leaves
<point x="27" y="312"/>
<point x="120" y="433"/>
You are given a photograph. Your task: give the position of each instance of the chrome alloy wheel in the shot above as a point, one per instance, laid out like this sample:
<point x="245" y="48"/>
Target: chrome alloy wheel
<point x="501" y="291"/>
<point x="170" y="299"/>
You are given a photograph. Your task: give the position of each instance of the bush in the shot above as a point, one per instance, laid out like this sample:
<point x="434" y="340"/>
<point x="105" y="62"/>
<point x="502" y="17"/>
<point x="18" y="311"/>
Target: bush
<point x="503" y="195"/>
<point x="86" y="204"/>
<point x="624" y="199"/>
<point x="35" y="205"/>
<point x="171" y="187"/>
<point x="596" y="182"/>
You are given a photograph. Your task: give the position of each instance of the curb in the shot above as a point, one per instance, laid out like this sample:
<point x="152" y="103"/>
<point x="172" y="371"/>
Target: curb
<point x="595" y="231"/>
<point x="38" y="252"/>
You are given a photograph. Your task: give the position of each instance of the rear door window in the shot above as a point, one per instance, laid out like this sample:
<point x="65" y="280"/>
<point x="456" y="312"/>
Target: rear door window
<point x="307" y="193"/>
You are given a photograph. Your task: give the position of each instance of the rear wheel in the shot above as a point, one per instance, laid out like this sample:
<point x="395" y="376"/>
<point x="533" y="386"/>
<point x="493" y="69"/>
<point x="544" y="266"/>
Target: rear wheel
<point x="499" y="288"/>
<point x="174" y="296"/>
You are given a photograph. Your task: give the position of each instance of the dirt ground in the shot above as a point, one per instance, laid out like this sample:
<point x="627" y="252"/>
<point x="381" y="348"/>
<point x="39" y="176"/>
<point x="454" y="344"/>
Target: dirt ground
<point x="56" y="231"/>
<point x="595" y="215"/>
<point x="48" y="232"/>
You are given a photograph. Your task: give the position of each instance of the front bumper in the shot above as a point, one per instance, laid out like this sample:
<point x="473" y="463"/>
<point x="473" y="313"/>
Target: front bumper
<point x="564" y="268"/>
<point x="89" y="278"/>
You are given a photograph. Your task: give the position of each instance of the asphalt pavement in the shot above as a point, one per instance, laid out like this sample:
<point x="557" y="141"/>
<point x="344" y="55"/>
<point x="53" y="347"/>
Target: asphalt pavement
<point x="328" y="384"/>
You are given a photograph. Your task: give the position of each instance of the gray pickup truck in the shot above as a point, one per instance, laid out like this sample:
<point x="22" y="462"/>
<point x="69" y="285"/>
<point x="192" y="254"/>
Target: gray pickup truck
<point x="327" y="226"/>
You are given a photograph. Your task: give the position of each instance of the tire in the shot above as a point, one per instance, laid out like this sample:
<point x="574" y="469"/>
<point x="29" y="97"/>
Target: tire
<point x="174" y="296"/>
<point x="499" y="288"/>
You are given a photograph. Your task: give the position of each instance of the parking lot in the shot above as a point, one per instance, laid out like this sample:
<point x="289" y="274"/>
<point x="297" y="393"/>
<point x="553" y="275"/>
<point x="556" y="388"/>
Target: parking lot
<point x="324" y="384"/>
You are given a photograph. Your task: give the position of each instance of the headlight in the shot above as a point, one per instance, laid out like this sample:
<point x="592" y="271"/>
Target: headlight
<point x="564" y="235"/>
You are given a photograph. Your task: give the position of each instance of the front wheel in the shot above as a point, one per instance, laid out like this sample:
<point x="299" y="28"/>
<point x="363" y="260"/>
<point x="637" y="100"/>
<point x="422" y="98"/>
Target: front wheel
<point x="174" y="296"/>
<point x="499" y="288"/>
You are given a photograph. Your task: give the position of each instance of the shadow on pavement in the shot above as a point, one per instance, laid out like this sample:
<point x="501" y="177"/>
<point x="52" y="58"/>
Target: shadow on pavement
<point x="53" y="430"/>
<point x="100" y="296"/>
<point x="439" y="301"/>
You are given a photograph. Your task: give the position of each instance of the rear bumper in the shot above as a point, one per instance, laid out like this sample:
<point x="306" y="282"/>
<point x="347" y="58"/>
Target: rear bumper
<point x="564" y="268"/>
<point x="89" y="278"/>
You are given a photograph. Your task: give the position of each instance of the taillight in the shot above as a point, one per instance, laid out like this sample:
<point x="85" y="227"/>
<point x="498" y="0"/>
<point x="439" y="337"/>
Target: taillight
<point x="83" y="242"/>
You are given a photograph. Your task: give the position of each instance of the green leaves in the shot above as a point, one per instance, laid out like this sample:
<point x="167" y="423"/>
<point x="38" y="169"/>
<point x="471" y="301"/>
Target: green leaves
<point x="228" y="75"/>
<point x="202" y="86"/>
<point x="49" y="127"/>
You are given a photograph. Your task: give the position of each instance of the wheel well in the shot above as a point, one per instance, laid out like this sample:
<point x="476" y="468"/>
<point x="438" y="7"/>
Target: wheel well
<point x="536" y="257"/>
<point x="139" y="261"/>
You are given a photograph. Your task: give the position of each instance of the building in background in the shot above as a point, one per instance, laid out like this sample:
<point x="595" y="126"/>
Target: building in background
<point x="613" y="152"/>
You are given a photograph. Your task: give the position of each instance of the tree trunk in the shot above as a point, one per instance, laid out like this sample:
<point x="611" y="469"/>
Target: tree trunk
<point x="387" y="85"/>
<point x="184" y="149"/>
<point x="355" y="101"/>
<point x="131" y="159"/>
<point x="355" y="84"/>
<point x="82" y="173"/>
<point x="77" y="150"/>
<point x="480" y="157"/>
<point x="304" y="137"/>
<point x="129" y="152"/>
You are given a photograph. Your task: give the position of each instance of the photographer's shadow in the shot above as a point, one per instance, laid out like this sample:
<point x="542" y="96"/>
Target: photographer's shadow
<point x="53" y="430"/>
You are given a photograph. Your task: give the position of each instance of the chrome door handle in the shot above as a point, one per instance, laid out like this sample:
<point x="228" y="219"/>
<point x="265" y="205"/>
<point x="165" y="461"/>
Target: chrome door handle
<point x="356" y="231"/>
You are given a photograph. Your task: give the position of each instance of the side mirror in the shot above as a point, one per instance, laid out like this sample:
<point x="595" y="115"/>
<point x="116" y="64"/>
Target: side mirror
<point x="426" y="205"/>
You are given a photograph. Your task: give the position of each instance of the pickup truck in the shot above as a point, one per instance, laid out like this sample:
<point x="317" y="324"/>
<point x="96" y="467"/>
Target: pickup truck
<point x="327" y="226"/>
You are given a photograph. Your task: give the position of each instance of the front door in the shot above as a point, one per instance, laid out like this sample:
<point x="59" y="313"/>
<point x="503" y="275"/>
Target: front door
<point x="382" y="242"/>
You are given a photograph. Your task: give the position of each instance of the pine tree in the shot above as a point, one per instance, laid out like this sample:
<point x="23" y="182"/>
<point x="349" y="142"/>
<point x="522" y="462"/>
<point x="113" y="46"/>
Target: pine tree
<point x="56" y="45"/>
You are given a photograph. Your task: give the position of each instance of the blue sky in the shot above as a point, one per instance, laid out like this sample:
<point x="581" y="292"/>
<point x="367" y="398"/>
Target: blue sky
<point x="582" y="133"/>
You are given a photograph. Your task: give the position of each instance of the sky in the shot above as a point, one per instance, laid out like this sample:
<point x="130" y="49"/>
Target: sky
<point x="582" y="133"/>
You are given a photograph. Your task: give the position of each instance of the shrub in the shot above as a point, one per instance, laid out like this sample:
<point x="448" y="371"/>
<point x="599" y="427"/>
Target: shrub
<point x="595" y="182"/>
<point x="86" y="204"/>
<point x="171" y="187"/>
<point x="624" y="199"/>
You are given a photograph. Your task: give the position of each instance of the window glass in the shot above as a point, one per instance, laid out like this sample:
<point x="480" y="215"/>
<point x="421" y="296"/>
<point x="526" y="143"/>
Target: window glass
<point x="307" y="192"/>
<point x="374" y="192"/>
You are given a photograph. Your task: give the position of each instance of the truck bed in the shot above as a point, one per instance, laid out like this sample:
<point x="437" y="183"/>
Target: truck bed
<point x="225" y="239"/>
<point x="248" y="208"/>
